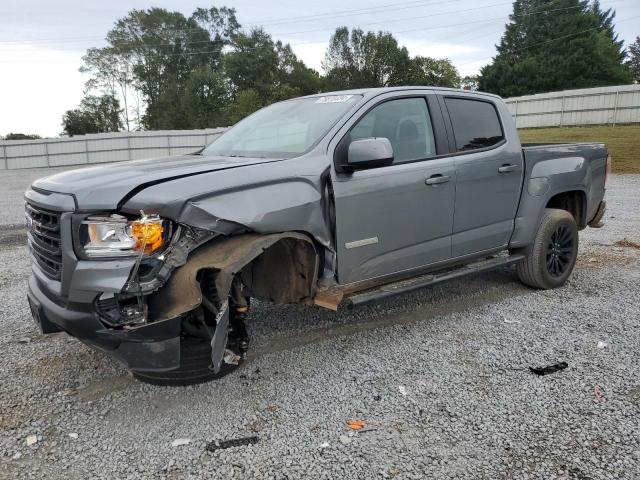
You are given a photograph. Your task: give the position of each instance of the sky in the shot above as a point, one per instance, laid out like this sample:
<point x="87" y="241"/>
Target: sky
<point x="42" y="41"/>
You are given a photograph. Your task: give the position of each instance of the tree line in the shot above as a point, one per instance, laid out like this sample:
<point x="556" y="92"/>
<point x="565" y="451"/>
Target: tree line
<point x="163" y="70"/>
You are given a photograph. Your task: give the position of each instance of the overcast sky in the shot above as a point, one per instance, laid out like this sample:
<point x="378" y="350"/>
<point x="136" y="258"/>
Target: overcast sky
<point x="42" y="41"/>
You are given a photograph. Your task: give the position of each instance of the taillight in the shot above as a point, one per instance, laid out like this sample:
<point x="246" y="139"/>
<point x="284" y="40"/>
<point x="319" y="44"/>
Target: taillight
<point x="607" y="170"/>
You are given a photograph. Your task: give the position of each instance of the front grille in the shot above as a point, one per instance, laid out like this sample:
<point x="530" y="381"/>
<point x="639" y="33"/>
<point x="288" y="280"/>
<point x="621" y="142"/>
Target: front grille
<point x="43" y="233"/>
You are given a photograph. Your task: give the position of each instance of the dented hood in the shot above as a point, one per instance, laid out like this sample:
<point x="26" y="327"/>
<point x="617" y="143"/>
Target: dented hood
<point x="105" y="187"/>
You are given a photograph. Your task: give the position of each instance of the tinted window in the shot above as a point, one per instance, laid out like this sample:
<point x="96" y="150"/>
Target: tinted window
<point x="407" y="125"/>
<point x="475" y="123"/>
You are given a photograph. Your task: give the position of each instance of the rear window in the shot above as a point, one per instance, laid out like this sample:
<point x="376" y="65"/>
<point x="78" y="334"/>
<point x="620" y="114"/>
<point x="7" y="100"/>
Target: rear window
<point x="475" y="123"/>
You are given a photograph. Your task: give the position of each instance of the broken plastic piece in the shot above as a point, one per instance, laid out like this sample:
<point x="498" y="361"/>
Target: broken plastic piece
<point x="549" y="369"/>
<point x="179" y="442"/>
<point x="355" y="424"/>
<point x="231" y="358"/>
<point x="237" y="442"/>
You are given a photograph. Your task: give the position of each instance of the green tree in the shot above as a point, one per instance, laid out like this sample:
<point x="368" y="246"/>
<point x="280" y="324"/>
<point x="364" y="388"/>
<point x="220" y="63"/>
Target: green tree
<point x="163" y="48"/>
<point x="470" y="82"/>
<point x="21" y="136"/>
<point x="245" y="103"/>
<point x="554" y="45"/>
<point x="634" y="60"/>
<point x="111" y="73"/>
<point x="429" y="71"/>
<point x="357" y="59"/>
<point x="94" y="115"/>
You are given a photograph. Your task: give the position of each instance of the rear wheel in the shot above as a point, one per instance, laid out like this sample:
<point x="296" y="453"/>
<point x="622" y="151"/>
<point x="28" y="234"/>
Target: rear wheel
<point x="195" y="366"/>
<point x="550" y="259"/>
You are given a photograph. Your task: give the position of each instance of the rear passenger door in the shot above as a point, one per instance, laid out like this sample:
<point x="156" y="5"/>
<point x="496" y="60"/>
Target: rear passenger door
<point x="489" y="174"/>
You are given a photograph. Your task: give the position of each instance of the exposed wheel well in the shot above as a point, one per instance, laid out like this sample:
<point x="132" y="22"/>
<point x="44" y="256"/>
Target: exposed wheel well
<point x="573" y="202"/>
<point x="280" y="268"/>
<point x="285" y="272"/>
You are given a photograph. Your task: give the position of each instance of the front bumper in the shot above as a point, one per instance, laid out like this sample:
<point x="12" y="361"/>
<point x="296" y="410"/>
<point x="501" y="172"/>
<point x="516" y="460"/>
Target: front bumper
<point x="66" y="302"/>
<point x="152" y="347"/>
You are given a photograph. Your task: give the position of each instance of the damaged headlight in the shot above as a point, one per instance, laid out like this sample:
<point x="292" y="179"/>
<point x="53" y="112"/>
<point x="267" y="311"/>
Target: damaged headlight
<point x="117" y="236"/>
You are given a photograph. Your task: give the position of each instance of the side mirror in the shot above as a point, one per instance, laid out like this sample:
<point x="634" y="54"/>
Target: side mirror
<point x="369" y="153"/>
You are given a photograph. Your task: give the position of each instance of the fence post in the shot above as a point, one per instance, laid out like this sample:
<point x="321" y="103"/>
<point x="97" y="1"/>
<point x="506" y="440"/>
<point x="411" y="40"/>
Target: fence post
<point x="86" y="149"/>
<point x="129" y="156"/>
<point x="6" y="160"/>
<point x="46" y="153"/>
<point x="615" y="108"/>
<point x="516" y="114"/>
<point x="562" y="112"/>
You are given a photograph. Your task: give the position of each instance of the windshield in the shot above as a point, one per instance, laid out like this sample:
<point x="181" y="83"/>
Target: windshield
<point x="284" y="129"/>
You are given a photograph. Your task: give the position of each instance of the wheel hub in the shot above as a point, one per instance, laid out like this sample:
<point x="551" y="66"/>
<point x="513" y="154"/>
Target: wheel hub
<point x="560" y="251"/>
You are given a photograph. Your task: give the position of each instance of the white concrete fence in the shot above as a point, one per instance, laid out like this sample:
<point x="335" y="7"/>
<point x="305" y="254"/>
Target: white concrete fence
<point x="589" y="106"/>
<point x="102" y="147"/>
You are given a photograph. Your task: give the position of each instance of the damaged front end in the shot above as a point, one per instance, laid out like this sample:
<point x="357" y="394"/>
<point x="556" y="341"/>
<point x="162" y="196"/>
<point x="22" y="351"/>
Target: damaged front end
<point x="187" y="285"/>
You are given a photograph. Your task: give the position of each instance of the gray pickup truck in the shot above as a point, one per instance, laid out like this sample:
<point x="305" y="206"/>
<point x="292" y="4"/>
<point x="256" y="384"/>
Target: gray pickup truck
<point x="335" y="199"/>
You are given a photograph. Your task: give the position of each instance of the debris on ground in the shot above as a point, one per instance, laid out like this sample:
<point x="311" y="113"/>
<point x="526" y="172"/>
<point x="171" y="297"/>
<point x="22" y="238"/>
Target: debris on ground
<point x="17" y="456"/>
<point x="231" y="358"/>
<point x="73" y="435"/>
<point x="625" y="242"/>
<point x="356" y="424"/>
<point x="597" y="393"/>
<point x="179" y="442"/>
<point x="602" y="345"/>
<point x="549" y="369"/>
<point x="236" y="442"/>
<point x="31" y="440"/>
<point x="271" y="408"/>
<point x="367" y="429"/>
<point x="324" y="445"/>
<point x="345" y="440"/>
<point x="402" y="389"/>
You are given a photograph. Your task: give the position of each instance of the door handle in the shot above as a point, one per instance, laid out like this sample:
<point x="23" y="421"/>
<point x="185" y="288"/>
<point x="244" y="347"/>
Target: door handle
<point x="437" y="179"/>
<point x="507" y="168"/>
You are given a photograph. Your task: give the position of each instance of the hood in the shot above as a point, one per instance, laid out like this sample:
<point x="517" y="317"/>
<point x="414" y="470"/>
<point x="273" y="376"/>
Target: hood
<point x="105" y="187"/>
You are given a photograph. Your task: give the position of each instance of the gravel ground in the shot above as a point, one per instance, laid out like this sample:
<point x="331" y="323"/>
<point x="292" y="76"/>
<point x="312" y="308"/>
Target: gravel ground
<point x="439" y="376"/>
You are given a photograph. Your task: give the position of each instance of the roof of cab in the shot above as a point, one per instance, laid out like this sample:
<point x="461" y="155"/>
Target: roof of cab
<point x="372" y="92"/>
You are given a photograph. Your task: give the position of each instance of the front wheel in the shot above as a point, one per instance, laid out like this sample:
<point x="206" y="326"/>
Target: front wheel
<point x="195" y="366"/>
<point x="550" y="259"/>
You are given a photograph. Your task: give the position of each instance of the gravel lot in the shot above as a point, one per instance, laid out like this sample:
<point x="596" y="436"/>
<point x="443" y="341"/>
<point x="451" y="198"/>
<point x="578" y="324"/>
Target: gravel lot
<point x="440" y="377"/>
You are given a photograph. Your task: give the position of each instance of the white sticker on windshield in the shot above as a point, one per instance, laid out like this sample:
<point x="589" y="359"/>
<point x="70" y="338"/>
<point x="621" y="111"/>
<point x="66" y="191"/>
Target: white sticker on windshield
<point x="334" y="99"/>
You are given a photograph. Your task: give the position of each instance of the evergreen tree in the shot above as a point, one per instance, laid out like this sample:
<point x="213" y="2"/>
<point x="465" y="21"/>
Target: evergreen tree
<point x="555" y="45"/>
<point x="634" y="60"/>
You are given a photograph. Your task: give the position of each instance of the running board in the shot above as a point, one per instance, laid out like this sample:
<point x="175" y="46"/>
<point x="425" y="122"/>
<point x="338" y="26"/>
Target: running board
<point x="413" y="284"/>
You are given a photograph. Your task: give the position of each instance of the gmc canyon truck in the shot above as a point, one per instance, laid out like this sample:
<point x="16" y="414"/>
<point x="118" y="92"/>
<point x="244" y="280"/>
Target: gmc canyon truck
<point x="336" y="199"/>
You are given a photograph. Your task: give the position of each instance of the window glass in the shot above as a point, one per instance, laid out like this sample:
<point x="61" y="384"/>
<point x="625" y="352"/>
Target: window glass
<point x="284" y="129"/>
<point x="475" y="123"/>
<point x="407" y="125"/>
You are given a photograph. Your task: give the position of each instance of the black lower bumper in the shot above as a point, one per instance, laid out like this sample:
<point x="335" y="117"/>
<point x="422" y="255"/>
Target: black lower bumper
<point x="152" y="347"/>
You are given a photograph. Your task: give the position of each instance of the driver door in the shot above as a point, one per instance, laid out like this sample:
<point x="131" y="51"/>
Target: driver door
<point x="398" y="217"/>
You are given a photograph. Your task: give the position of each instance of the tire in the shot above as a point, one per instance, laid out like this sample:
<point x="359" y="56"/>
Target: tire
<point x="195" y="362"/>
<point x="550" y="259"/>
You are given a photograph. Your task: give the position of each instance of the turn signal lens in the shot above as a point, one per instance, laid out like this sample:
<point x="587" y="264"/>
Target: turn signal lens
<point x="148" y="234"/>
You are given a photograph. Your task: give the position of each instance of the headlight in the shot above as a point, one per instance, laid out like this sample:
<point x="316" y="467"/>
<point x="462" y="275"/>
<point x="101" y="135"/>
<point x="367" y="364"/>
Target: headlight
<point x="116" y="236"/>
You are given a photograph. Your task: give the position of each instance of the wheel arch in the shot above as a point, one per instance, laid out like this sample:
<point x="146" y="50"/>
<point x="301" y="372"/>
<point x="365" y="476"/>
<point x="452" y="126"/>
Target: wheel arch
<point x="574" y="202"/>
<point x="280" y="268"/>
